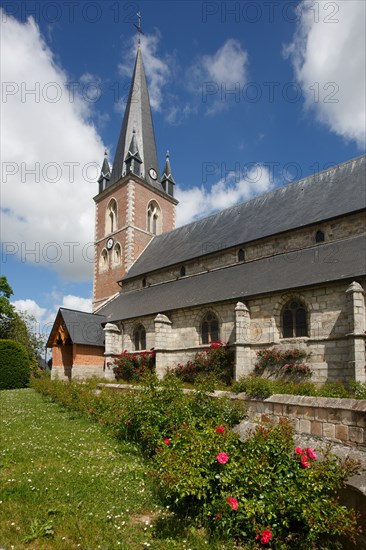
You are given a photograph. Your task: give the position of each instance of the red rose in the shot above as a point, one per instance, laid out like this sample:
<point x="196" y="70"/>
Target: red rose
<point x="167" y="441"/>
<point x="220" y="429"/>
<point x="233" y="502"/>
<point x="222" y="458"/>
<point x="311" y="453"/>
<point x="304" y="461"/>
<point x="266" y="536"/>
<point x="299" y="451"/>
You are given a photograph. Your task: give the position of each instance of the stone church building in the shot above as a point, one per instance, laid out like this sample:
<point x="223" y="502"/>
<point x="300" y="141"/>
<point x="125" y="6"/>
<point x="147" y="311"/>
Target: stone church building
<point x="285" y="269"/>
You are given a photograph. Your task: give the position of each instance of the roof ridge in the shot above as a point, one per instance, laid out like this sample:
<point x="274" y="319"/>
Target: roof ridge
<point x="266" y="194"/>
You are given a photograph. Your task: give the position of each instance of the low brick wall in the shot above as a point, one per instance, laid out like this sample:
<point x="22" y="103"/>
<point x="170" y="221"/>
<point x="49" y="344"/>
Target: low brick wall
<point x="341" y="420"/>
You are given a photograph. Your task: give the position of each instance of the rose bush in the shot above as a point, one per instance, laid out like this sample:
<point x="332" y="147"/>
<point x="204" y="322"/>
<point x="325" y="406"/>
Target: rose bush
<point x="131" y="367"/>
<point x="217" y="360"/>
<point x="279" y="363"/>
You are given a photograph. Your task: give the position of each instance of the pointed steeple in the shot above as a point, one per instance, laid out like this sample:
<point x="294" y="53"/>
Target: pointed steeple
<point x="137" y="117"/>
<point x="167" y="179"/>
<point x="105" y="174"/>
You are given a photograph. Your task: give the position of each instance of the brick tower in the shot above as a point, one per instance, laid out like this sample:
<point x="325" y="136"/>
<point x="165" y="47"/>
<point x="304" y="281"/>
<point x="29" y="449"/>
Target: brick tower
<point x="133" y="203"/>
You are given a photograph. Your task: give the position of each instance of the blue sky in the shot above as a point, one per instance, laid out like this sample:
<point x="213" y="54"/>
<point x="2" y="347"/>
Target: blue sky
<point x="246" y="95"/>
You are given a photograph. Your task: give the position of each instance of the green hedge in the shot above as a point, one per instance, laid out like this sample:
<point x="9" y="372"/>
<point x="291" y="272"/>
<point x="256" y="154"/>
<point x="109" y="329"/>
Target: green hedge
<point x="14" y="365"/>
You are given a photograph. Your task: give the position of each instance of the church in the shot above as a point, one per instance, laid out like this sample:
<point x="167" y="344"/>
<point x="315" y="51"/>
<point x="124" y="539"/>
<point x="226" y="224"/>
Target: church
<point x="286" y="269"/>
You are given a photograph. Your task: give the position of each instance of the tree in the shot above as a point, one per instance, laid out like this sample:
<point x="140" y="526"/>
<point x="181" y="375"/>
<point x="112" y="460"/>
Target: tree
<point x="7" y="311"/>
<point x="19" y="326"/>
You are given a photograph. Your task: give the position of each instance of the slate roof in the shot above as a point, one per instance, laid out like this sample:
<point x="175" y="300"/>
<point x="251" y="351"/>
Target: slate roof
<point x="323" y="263"/>
<point x="325" y="195"/>
<point x="83" y="328"/>
<point x="137" y="117"/>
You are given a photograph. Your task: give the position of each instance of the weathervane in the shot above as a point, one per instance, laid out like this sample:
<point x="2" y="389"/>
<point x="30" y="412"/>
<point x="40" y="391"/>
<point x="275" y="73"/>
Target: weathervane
<point x="138" y="27"/>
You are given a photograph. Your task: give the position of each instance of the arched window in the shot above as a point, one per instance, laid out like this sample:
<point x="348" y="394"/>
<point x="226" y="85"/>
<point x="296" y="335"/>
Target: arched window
<point x="139" y="338"/>
<point x="183" y="271"/>
<point x="154" y="218"/>
<point x="117" y="254"/>
<point x="319" y="236"/>
<point x="294" y="320"/>
<point x="103" y="260"/>
<point x="111" y="217"/>
<point x="241" y="255"/>
<point x="209" y="329"/>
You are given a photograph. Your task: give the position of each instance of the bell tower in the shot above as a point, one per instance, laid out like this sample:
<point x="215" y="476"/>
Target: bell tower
<point x="133" y="203"/>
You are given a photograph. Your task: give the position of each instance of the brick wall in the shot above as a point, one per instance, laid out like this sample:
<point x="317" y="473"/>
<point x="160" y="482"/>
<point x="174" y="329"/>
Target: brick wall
<point x="132" y="198"/>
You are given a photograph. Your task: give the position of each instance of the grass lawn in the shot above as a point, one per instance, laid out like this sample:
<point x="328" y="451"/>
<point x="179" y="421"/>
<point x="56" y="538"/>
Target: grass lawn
<point x="65" y="484"/>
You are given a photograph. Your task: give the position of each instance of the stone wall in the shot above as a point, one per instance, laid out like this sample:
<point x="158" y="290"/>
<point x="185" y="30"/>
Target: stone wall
<point x="214" y="255"/>
<point x="341" y="420"/>
<point x="336" y="324"/>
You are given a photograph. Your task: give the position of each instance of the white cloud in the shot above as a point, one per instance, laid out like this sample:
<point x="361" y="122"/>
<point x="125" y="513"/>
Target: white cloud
<point x="328" y="56"/>
<point x="31" y="307"/>
<point x="77" y="302"/>
<point x="46" y="317"/>
<point x="157" y="69"/>
<point x="197" y="202"/>
<point x="45" y="132"/>
<point x="216" y="76"/>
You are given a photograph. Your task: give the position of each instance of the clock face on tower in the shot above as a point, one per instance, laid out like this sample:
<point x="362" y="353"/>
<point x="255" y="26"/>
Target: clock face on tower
<point x="153" y="174"/>
<point x="110" y="243"/>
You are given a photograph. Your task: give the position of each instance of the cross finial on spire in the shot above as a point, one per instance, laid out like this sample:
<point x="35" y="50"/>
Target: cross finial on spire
<point x="138" y="27"/>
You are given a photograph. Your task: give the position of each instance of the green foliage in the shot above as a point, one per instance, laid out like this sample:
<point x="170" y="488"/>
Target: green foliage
<point x="257" y="489"/>
<point x="19" y="327"/>
<point x="333" y="389"/>
<point x="23" y="329"/>
<point x="131" y="367"/>
<point x="357" y="389"/>
<point x="262" y="491"/>
<point x="7" y="311"/>
<point x="282" y="363"/>
<point x="161" y="408"/>
<point x="39" y="530"/>
<point x="264" y="387"/>
<point x="217" y="360"/>
<point x="14" y="365"/>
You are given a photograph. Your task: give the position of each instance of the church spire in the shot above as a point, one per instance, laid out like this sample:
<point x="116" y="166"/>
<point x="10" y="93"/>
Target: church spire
<point x="138" y="117"/>
<point x="167" y="179"/>
<point x="105" y="174"/>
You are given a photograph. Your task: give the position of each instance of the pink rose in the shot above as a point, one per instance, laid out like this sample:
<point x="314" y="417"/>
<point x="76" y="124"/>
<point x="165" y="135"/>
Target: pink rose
<point x="220" y="430"/>
<point x="311" y="453"/>
<point x="222" y="458"/>
<point x="166" y="440"/>
<point x="266" y="536"/>
<point x="304" y="461"/>
<point x="299" y="451"/>
<point x="233" y="502"/>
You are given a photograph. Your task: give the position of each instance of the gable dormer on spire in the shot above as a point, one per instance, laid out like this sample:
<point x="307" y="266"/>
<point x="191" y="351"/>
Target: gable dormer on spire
<point x="137" y="117"/>
<point x="133" y="160"/>
<point x="167" y="180"/>
<point x="105" y="174"/>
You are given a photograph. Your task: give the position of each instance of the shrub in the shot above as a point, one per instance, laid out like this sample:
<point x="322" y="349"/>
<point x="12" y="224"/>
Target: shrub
<point x="160" y="409"/>
<point x="14" y="365"/>
<point x="333" y="389"/>
<point x="280" y="363"/>
<point x="217" y="360"/>
<point x="263" y="490"/>
<point x="357" y="389"/>
<point x="132" y="366"/>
